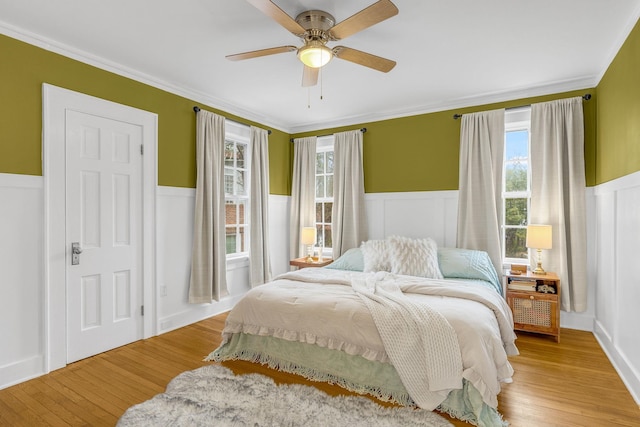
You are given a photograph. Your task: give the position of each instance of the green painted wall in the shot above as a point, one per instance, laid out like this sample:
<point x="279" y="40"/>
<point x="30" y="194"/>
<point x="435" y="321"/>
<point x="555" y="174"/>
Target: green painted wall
<point x="420" y="153"/>
<point x="618" y="147"/>
<point x="23" y="69"/>
<point x="416" y="153"/>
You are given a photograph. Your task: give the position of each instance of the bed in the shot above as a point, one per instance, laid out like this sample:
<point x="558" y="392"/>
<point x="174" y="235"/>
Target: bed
<point x="398" y="319"/>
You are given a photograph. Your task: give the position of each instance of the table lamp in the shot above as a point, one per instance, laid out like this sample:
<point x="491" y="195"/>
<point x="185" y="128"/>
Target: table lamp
<point x="309" y="239"/>
<point x="539" y="237"/>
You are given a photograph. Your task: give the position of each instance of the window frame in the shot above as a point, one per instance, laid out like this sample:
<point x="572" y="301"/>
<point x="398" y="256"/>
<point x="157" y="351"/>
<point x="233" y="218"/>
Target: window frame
<point x="324" y="144"/>
<point x="515" y="120"/>
<point x="238" y="134"/>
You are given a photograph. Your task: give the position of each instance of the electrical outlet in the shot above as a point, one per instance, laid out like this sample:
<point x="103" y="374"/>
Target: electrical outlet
<point x="163" y="291"/>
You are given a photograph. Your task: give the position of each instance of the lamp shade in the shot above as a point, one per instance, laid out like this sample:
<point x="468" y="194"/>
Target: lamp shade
<point x="308" y="235"/>
<point x="539" y="236"/>
<point x="315" y="54"/>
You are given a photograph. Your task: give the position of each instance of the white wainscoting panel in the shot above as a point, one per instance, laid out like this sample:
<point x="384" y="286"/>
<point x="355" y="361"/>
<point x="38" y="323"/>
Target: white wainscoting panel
<point x="21" y="278"/>
<point x="613" y="236"/>
<point x="606" y="263"/>
<point x="279" y="233"/>
<point x="618" y="276"/>
<point x="414" y="214"/>
<point x="584" y="321"/>
<point x="435" y="214"/>
<point x="175" y="208"/>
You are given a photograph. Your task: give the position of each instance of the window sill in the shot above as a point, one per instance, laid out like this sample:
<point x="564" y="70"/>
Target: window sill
<point x="237" y="261"/>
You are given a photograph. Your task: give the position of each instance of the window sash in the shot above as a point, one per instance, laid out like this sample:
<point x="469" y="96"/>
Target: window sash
<point x="514" y="235"/>
<point x="237" y="190"/>
<point x="324" y="200"/>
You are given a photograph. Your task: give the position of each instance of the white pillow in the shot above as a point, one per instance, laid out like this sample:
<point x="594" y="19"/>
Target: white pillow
<point x="376" y="255"/>
<point x="414" y="257"/>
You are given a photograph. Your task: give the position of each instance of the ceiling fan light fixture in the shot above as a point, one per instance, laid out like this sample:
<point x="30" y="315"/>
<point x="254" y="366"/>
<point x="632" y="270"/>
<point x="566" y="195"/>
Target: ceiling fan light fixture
<point x="316" y="28"/>
<point x="315" y="54"/>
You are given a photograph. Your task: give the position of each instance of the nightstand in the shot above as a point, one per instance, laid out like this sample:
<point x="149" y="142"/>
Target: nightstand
<point x="302" y="262"/>
<point x="534" y="300"/>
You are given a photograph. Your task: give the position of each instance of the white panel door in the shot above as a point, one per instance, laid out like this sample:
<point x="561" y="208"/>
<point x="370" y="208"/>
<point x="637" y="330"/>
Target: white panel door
<point x="103" y="217"/>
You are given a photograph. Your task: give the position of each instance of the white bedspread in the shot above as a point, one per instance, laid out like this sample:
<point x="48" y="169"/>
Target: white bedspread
<point x="319" y="306"/>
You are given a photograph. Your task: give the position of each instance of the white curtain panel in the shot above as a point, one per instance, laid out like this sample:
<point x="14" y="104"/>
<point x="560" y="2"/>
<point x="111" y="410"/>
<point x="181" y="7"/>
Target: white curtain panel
<point x="259" y="261"/>
<point x="349" y="222"/>
<point x="480" y="183"/>
<point x="208" y="259"/>
<point x="558" y="194"/>
<point x="303" y="192"/>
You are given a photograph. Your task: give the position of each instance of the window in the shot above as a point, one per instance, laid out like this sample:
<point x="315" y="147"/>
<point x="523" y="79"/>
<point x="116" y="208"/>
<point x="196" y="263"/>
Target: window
<point x="516" y="185"/>
<point x="236" y="188"/>
<point x="324" y="191"/>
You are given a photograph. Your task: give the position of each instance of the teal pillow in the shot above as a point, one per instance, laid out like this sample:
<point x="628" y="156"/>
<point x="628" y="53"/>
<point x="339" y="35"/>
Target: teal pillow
<point x="468" y="264"/>
<point x="352" y="260"/>
<point x="454" y="263"/>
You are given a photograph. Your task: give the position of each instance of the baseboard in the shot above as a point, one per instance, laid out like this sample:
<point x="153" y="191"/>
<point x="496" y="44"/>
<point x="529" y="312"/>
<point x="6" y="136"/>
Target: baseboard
<point x="21" y="371"/>
<point x="629" y="377"/>
<point x="198" y="313"/>
<point x="579" y="321"/>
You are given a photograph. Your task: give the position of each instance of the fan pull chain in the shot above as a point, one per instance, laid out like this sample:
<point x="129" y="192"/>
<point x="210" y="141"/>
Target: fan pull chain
<point x="321" y="74"/>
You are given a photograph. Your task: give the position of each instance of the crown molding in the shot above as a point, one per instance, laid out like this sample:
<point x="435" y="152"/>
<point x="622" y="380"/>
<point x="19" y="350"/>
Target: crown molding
<point x="130" y="73"/>
<point x="207" y="100"/>
<point x="587" y="82"/>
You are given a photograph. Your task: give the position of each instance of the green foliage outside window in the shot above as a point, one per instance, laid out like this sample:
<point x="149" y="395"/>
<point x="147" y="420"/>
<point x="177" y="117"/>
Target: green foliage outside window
<point x="515" y="177"/>
<point x="324" y="198"/>
<point x="516" y="189"/>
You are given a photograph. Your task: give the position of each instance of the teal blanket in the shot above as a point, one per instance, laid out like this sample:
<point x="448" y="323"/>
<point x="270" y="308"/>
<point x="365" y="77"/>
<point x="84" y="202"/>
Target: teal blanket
<point x="353" y="373"/>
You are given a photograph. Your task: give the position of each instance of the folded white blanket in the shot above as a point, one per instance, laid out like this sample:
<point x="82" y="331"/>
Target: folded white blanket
<point x="413" y="333"/>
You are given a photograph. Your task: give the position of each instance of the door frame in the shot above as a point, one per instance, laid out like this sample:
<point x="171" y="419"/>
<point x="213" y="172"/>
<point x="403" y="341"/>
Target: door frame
<point x="55" y="102"/>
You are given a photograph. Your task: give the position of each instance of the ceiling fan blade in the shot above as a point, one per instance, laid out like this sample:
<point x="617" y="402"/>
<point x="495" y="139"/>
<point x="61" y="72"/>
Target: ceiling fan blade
<point x="309" y="76"/>
<point x="261" y="52"/>
<point x="270" y="9"/>
<point x="377" y="12"/>
<point x="364" y="58"/>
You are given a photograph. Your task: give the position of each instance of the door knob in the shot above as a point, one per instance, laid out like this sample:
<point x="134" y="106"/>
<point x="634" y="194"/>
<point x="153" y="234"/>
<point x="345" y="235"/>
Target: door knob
<point x="76" y="250"/>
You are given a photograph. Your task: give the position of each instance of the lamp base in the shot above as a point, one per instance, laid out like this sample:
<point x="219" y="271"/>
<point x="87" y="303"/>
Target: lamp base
<point x="539" y="270"/>
<point x="309" y="257"/>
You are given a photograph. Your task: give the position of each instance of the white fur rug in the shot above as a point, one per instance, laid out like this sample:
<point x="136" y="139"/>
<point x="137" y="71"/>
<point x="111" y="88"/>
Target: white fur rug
<point x="214" y="396"/>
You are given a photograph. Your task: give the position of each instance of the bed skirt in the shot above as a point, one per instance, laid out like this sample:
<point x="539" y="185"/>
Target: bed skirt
<point x="352" y="372"/>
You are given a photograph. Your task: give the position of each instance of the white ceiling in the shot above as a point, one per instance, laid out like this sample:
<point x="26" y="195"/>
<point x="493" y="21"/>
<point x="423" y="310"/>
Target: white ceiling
<point x="450" y="54"/>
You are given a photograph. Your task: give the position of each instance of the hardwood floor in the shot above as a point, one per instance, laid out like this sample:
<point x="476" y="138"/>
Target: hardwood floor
<point x="566" y="384"/>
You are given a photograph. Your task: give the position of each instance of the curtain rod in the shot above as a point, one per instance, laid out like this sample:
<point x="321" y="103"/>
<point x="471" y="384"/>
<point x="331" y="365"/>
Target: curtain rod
<point x="363" y="130"/>
<point x="586" y="97"/>
<point x="196" y="109"/>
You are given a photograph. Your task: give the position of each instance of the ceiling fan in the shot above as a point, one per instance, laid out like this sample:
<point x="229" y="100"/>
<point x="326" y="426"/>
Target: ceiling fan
<point x="316" y="28"/>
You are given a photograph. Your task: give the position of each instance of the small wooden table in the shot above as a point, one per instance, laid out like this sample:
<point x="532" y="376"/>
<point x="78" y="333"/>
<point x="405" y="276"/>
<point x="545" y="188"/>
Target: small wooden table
<point x="536" y="309"/>
<point x="302" y="262"/>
